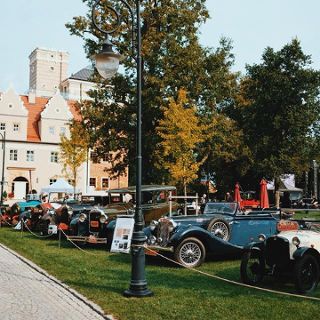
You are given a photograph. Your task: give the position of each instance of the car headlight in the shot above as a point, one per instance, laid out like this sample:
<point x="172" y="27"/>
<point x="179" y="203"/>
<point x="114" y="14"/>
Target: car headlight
<point x="296" y="241"/>
<point x="262" y="237"/>
<point x="82" y="217"/>
<point x="103" y="219"/>
<point x="172" y="225"/>
<point x="153" y="224"/>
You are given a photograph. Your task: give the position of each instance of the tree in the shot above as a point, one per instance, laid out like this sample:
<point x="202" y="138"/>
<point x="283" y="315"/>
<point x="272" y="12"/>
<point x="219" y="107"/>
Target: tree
<point x="277" y="108"/>
<point x="172" y="58"/>
<point x="180" y="131"/>
<point x="73" y="151"/>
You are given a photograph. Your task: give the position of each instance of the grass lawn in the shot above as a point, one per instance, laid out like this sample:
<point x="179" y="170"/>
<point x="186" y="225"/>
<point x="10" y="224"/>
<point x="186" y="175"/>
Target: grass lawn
<point x="315" y="215"/>
<point x="178" y="293"/>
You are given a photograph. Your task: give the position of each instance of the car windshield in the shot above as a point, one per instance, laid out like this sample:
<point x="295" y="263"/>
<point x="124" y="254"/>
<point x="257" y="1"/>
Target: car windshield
<point x="220" y="207"/>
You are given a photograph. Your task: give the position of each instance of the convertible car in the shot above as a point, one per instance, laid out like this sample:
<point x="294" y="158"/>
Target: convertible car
<point x="221" y="230"/>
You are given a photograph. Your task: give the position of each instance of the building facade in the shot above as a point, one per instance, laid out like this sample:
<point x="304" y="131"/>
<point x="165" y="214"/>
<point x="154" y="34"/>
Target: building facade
<point x="33" y="124"/>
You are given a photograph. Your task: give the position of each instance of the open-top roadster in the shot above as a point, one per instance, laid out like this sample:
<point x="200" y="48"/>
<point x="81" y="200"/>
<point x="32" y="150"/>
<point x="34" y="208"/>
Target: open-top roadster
<point x="292" y="254"/>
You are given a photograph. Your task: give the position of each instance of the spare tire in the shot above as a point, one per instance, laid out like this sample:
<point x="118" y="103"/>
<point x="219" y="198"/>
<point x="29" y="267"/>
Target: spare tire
<point x="220" y="228"/>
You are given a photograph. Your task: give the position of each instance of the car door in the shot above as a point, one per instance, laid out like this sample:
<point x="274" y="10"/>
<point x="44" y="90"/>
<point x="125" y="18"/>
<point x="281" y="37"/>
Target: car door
<point x="247" y="228"/>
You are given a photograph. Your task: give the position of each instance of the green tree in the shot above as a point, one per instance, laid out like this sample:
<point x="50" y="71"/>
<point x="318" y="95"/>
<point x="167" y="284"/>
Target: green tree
<point x="73" y="151"/>
<point x="277" y="108"/>
<point x="180" y="131"/>
<point x="172" y="58"/>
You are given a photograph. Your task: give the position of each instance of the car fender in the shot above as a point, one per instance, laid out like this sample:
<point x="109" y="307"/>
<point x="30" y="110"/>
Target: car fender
<point x="212" y="243"/>
<point x="300" y="252"/>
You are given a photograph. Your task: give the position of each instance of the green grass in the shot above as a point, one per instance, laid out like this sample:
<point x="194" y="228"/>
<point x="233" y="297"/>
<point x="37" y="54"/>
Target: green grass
<point x="178" y="293"/>
<point x="315" y="215"/>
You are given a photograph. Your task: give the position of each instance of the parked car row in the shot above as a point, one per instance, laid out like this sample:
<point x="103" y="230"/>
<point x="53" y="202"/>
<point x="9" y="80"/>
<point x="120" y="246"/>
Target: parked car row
<point x="268" y="244"/>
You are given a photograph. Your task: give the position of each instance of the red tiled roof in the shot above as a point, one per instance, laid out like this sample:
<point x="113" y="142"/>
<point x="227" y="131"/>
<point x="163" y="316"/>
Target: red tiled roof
<point x="35" y="110"/>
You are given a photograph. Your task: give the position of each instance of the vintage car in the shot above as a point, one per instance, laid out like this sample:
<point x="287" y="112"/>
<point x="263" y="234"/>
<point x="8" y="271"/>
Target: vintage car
<point x="293" y="254"/>
<point x="222" y="230"/>
<point x="93" y="226"/>
<point x="12" y="215"/>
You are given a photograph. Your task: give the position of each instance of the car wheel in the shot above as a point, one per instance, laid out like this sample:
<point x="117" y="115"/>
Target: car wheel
<point x="219" y="228"/>
<point x="190" y="253"/>
<point x="252" y="268"/>
<point x="306" y="274"/>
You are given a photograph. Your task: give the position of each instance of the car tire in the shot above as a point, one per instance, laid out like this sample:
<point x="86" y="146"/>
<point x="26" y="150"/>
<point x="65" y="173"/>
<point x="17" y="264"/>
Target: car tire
<point x="190" y="253"/>
<point x="306" y="274"/>
<point x="220" y="228"/>
<point x="252" y="268"/>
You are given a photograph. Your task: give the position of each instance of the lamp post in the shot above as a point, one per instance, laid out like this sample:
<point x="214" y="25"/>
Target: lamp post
<point x="107" y="63"/>
<point x="3" y="138"/>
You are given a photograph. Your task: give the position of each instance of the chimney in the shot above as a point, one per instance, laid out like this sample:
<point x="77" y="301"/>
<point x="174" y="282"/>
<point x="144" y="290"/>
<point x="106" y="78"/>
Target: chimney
<point x="32" y="97"/>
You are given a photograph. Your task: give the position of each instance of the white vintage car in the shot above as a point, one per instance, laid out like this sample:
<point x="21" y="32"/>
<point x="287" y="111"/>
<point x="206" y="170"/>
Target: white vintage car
<point x="293" y="254"/>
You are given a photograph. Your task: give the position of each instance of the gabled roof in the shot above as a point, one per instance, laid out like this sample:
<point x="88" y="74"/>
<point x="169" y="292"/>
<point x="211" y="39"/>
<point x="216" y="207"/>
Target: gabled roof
<point x="35" y="110"/>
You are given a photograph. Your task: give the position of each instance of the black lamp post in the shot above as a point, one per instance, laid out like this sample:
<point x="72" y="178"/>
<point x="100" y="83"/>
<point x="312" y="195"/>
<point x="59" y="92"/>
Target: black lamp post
<point x="3" y="138"/>
<point x="107" y="63"/>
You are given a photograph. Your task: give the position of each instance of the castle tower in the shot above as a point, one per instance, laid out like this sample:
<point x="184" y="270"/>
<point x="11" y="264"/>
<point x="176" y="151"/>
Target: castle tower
<point x="48" y="68"/>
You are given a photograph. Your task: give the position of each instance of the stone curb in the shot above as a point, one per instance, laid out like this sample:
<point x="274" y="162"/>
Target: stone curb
<point x="35" y="267"/>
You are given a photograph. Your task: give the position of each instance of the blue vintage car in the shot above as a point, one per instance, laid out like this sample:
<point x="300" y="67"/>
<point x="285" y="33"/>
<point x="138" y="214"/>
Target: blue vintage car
<point x="221" y="230"/>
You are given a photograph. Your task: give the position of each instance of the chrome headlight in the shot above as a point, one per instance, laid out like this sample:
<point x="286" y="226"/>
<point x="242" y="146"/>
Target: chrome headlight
<point x="172" y="225"/>
<point x="82" y="217"/>
<point x="153" y="224"/>
<point x="103" y="219"/>
<point x="296" y="241"/>
<point x="262" y="237"/>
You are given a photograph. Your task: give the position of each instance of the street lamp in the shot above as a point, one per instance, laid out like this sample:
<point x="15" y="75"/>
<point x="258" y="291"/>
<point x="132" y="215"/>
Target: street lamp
<point x="3" y="138"/>
<point x="107" y="63"/>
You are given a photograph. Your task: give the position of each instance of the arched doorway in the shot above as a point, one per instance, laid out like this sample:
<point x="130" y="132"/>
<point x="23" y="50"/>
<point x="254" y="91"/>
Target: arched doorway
<point x="20" y="187"/>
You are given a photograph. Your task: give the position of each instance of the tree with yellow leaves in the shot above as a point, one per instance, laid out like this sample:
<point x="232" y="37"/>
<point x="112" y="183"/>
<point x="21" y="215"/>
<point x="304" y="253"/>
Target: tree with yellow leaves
<point x="180" y="132"/>
<point x="73" y="151"/>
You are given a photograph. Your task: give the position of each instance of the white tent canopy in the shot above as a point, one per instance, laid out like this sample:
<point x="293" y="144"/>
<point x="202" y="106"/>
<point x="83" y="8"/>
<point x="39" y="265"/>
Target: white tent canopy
<point x="59" y="186"/>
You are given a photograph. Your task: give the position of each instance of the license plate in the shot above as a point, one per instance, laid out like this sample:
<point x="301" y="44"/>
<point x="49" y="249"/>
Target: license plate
<point x="92" y="239"/>
<point x="94" y="224"/>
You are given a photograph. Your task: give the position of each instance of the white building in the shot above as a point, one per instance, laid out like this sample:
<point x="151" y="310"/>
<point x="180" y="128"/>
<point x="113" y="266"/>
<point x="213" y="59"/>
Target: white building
<point x="33" y="123"/>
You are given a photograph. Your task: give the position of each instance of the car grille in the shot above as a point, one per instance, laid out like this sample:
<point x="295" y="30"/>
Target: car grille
<point x="94" y="222"/>
<point x="277" y="251"/>
<point x="163" y="231"/>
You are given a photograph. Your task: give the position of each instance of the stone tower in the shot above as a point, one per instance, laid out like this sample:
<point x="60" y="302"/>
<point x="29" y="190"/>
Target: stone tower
<point x="48" y="68"/>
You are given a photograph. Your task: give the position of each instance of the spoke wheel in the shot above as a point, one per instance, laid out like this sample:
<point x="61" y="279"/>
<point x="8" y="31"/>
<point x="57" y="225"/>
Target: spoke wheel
<point x="220" y="228"/>
<point x="190" y="253"/>
<point x="252" y="268"/>
<point x="306" y="274"/>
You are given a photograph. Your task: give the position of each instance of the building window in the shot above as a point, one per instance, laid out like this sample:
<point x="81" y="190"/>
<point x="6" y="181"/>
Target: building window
<point x="63" y="131"/>
<point x="93" y="182"/>
<point x="52" y="181"/>
<point x="105" y="183"/>
<point x="94" y="157"/>
<point x="30" y="155"/>
<point x="14" y="155"/>
<point x="106" y="157"/>
<point x="2" y="126"/>
<point x="10" y="105"/>
<point x="51" y="68"/>
<point x="16" y="127"/>
<point x="51" y="130"/>
<point x="54" y="157"/>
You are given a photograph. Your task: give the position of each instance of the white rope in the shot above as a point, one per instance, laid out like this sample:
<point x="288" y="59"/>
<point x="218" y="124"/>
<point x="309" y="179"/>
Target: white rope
<point x="87" y="252"/>
<point x="36" y="235"/>
<point x="230" y="281"/>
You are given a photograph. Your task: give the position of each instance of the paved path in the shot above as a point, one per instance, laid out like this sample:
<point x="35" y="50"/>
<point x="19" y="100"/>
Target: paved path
<point x="29" y="293"/>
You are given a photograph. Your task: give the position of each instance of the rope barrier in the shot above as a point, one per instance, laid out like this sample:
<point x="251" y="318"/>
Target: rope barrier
<point x="34" y="234"/>
<point x="5" y="221"/>
<point x="87" y="252"/>
<point x="227" y="280"/>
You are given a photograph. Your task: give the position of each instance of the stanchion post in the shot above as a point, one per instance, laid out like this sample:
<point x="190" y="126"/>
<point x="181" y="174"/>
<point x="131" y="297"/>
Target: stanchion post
<point x="59" y="238"/>
<point x="21" y="221"/>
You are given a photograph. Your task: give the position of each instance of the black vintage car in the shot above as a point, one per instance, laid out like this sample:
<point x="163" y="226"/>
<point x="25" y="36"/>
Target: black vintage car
<point x="293" y="255"/>
<point x="94" y="226"/>
<point x="221" y="230"/>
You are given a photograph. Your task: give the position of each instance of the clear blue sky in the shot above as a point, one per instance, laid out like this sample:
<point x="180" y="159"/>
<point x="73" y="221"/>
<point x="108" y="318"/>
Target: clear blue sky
<point x="251" y="24"/>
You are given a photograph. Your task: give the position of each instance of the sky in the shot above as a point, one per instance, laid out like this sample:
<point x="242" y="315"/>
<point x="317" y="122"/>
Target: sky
<point x="252" y="25"/>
